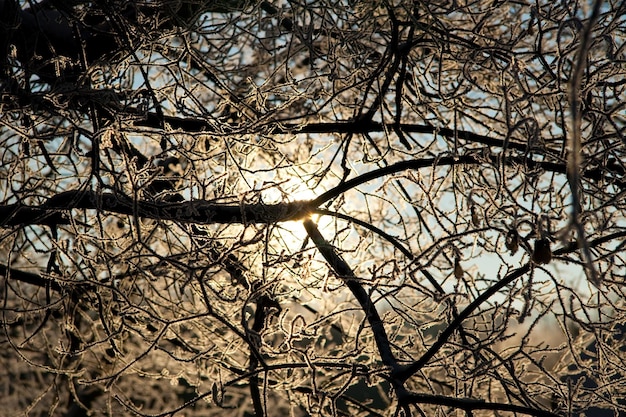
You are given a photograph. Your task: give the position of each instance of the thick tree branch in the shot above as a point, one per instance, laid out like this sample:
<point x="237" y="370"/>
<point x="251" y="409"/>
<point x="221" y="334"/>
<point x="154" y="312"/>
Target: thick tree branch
<point x="18" y="214"/>
<point x="196" y="211"/>
<point x="152" y="120"/>
<point x="343" y="270"/>
<point x="470" y="404"/>
<point x="206" y="212"/>
<point x="29" y="278"/>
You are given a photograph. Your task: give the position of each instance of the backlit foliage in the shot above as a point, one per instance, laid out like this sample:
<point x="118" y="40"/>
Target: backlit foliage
<point x="312" y="208"/>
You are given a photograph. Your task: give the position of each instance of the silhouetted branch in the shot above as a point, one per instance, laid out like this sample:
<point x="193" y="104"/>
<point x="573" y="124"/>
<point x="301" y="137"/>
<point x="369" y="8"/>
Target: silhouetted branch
<point x="470" y="404"/>
<point x="406" y="372"/>
<point x="196" y="211"/>
<point x="19" y="214"/>
<point x="343" y="271"/>
<point x="206" y="212"/>
<point x="29" y="278"/>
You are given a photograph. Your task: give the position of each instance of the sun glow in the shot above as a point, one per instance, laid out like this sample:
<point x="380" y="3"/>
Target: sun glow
<point x="293" y="190"/>
<point x="290" y="191"/>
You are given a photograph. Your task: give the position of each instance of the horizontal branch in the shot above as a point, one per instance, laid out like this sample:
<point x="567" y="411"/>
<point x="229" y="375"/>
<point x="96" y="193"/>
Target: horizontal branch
<point x="209" y="212"/>
<point x="612" y="172"/>
<point x="29" y="278"/>
<point x="18" y="214"/>
<point x="190" y="124"/>
<point x="470" y="404"/>
<point x="195" y="211"/>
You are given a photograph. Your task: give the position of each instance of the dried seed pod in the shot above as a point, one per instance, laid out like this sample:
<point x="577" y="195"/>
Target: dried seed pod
<point x="475" y="218"/>
<point x="458" y="269"/>
<point x="512" y="241"/>
<point x="542" y="253"/>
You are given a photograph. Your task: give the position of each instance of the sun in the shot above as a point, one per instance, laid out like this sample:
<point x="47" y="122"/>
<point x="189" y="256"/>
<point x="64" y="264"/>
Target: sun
<point x="292" y="190"/>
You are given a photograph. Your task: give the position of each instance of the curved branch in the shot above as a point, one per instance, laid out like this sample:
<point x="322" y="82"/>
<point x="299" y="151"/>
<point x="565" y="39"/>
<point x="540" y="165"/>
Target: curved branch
<point x="468" y="159"/>
<point x="409" y="370"/>
<point x="370" y="227"/>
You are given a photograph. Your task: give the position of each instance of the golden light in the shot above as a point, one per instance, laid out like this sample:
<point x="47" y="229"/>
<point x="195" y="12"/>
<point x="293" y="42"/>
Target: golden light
<point x="292" y="190"/>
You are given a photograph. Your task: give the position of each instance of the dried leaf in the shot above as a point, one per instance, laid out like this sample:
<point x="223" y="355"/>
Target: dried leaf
<point x="458" y="269"/>
<point x="475" y="218"/>
<point x="217" y="394"/>
<point x="512" y="241"/>
<point x="542" y="253"/>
